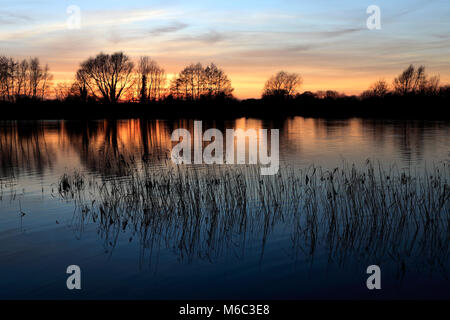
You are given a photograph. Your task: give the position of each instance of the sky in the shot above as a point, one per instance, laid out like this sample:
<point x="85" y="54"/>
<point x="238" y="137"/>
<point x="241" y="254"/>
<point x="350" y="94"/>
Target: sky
<point x="325" y="41"/>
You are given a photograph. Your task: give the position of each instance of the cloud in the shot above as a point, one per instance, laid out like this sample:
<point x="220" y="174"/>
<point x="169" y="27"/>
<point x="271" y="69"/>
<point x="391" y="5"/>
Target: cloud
<point x="313" y="35"/>
<point x="168" y="29"/>
<point x="9" y="18"/>
<point x="274" y="52"/>
<point x="442" y="36"/>
<point x="337" y="33"/>
<point x="412" y="7"/>
<point x="119" y="17"/>
<point x="211" y="37"/>
<point x="207" y="37"/>
<point x="90" y="20"/>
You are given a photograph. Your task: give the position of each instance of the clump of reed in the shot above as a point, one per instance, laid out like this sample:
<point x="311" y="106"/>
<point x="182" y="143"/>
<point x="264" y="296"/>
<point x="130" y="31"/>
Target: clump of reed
<point x="71" y="184"/>
<point x="209" y="211"/>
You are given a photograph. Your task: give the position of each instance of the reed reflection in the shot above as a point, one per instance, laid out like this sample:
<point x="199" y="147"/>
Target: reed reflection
<point x="346" y="214"/>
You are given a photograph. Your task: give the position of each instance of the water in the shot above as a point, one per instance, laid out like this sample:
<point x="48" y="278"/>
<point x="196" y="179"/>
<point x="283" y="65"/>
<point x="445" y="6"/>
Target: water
<point x="41" y="232"/>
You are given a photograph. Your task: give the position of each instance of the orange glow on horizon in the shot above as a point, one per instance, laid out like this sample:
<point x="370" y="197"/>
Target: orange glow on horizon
<point x="249" y="84"/>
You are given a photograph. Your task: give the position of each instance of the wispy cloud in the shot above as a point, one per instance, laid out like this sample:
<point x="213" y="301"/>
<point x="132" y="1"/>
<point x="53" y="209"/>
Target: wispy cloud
<point x="121" y="17"/>
<point x="337" y="33"/>
<point x="90" y="21"/>
<point x="209" y="37"/>
<point x="10" y="18"/>
<point x="168" y="29"/>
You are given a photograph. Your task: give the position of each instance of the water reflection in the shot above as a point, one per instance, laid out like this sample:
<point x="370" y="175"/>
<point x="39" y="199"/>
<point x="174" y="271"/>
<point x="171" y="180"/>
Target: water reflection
<point x="387" y="215"/>
<point x="132" y="199"/>
<point x="26" y="147"/>
<point x="30" y="148"/>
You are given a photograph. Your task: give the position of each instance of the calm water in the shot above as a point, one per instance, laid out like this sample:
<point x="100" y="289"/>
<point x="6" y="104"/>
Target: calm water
<point x="41" y="233"/>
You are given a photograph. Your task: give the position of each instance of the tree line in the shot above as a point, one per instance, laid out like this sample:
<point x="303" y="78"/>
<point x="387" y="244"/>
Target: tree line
<point x="412" y="81"/>
<point x="111" y="78"/>
<point x="115" y="77"/>
<point x="23" y="78"/>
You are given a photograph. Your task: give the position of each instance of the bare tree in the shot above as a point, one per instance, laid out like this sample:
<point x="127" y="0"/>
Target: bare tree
<point x="378" y="89"/>
<point x="194" y="82"/>
<point x="80" y="86"/>
<point x="143" y="71"/>
<point x="23" y="78"/>
<point x="188" y="82"/>
<point x="409" y="80"/>
<point x="45" y="81"/>
<point x="36" y="75"/>
<point x="156" y="81"/>
<point x="176" y="88"/>
<point x="413" y="80"/>
<point x="61" y="91"/>
<point x="152" y="80"/>
<point x="282" y="84"/>
<point x="8" y="69"/>
<point x="108" y="76"/>
<point x="217" y="82"/>
<point x="431" y="86"/>
<point x="4" y="74"/>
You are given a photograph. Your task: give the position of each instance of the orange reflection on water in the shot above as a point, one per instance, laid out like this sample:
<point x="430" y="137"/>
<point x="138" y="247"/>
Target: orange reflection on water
<point x="37" y="146"/>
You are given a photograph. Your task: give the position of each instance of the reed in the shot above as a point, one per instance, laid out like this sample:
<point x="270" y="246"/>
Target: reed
<point x="206" y="212"/>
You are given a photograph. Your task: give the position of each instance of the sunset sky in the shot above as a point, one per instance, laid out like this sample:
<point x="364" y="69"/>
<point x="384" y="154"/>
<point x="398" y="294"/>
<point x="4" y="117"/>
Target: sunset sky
<point x="327" y="42"/>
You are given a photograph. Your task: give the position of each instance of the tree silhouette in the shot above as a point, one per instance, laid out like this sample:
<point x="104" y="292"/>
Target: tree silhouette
<point x="378" y="89"/>
<point x="195" y="82"/>
<point x="113" y="78"/>
<point x="80" y="87"/>
<point x="46" y="77"/>
<point x="217" y="82"/>
<point x="108" y="76"/>
<point x="188" y="82"/>
<point x="151" y="80"/>
<point x="332" y="94"/>
<point x="6" y="77"/>
<point x="283" y="84"/>
<point x="36" y="75"/>
<point x="23" y="78"/>
<point x="143" y="71"/>
<point x="413" y="80"/>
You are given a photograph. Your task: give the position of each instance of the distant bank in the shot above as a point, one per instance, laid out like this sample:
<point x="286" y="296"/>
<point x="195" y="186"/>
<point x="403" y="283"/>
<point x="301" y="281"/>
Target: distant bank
<point x="434" y="107"/>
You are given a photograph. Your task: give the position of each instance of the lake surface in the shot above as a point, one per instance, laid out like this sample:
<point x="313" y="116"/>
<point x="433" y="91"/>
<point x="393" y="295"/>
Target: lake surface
<point x="44" y="230"/>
